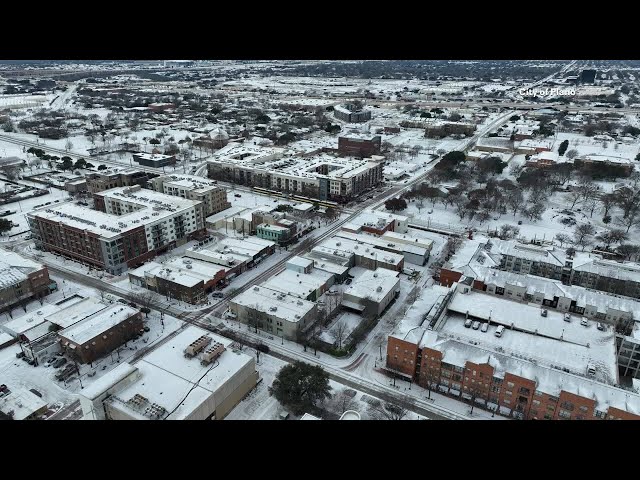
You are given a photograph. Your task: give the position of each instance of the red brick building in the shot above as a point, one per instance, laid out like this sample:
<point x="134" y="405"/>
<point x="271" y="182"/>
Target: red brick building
<point x="359" y="146"/>
<point x="513" y="394"/>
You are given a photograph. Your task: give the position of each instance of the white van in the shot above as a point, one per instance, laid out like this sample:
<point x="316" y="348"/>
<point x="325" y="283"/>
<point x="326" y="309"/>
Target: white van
<point x="591" y="369"/>
<point x="499" y="331"/>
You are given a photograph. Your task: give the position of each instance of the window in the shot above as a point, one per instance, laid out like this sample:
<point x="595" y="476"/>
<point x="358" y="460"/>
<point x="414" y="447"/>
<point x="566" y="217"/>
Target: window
<point x="564" y="414"/>
<point x="508" y="392"/>
<point x="510" y="384"/>
<point x="536" y="402"/>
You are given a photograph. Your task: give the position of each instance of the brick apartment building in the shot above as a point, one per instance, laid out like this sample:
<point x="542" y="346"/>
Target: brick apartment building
<point x="129" y="226"/>
<point x="106" y="179"/>
<point x="520" y="395"/>
<point x="21" y="279"/>
<point x="359" y="146"/>
<point x="101" y="333"/>
<point x="443" y="129"/>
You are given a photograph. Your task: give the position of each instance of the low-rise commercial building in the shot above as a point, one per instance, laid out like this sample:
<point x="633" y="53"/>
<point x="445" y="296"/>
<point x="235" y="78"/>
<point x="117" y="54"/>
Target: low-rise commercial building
<point x="155" y="160"/>
<point x="22" y="279"/>
<point x="440" y="129"/>
<point x="196" y="375"/>
<point x="372" y="292"/>
<point x="276" y="312"/>
<point x="101" y="333"/>
<point x="18" y="403"/>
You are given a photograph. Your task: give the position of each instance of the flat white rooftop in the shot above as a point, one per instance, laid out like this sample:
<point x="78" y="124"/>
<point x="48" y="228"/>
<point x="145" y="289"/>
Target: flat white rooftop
<point x="275" y="303"/>
<point x="21" y="402"/>
<point x="181" y="384"/>
<point x="375" y="284"/>
<point x="556" y="342"/>
<point x="97" y="323"/>
<point x="298" y="284"/>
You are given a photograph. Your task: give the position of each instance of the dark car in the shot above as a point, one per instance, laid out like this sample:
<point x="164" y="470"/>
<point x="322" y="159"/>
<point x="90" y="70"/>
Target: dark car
<point x="57" y="363"/>
<point x="262" y="348"/>
<point x="237" y="195"/>
<point x="131" y="304"/>
<point x="122" y="300"/>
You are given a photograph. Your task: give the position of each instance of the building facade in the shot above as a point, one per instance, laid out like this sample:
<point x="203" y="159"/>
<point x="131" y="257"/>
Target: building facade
<point x="129" y="226"/>
<point x="359" y="146"/>
<point x="192" y="187"/>
<point x="21" y="280"/>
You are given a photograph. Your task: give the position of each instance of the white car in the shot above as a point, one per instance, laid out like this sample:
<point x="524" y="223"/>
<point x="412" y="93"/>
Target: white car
<point x="584" y="322"/>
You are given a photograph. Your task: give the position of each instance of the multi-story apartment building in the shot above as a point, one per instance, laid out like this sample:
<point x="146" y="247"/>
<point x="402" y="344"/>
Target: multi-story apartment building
<point x="439" y="129"/>
<point x="129" y="226"/>
<point x="350" y="113"/>
<point x="213" y="197"/>
<point x="520" y="364"/>
<point x="117" y="177"/>
<point x="21" y="279"/>
<point x="324" y="177"/>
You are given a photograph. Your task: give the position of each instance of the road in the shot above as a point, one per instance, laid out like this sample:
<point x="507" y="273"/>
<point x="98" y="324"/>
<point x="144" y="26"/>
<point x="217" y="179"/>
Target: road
<point x="342" y="373"/>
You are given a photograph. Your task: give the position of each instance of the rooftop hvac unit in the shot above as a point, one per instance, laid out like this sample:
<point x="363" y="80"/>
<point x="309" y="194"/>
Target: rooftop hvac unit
<point x="189" y="266"/>
<point x="212" y="352"/>
<point x="195" y="347"/>
<point x="378" y="288"/>
<point x="338" y="244"/>
<point x="256" y="289"/>
<point x="299" y="302"/>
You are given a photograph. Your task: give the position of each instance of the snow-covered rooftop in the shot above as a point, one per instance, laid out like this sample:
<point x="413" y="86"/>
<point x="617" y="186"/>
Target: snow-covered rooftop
<point x="298" y="284"/>
<point x="97" y="323"/>
<point x="275" y="303"/>
<point x="549" y="340"/>
<point x="151" y="207"/>
<point x="179" y="384"/>
<point x="374" y="284"/>
<point x="14" y="268"/>
<point x="21" y="402"/>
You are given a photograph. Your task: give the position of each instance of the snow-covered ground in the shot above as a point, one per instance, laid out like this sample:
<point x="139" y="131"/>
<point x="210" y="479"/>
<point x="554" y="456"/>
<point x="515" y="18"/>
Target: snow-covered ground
<point x="15" y="372"/>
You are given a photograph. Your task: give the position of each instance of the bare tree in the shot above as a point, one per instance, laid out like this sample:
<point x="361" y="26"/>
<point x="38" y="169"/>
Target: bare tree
<point x="574" y="196"/>
<point x="387" y="411"/>
<point x="583" y="235"/>
<point x="339" y="332"/>
<point x="563" y="238"/>
<point x="571" y="154"/>
<point x="68" y="145"/>
<point x="632" y="218"/>
<point x="342" y="401"/>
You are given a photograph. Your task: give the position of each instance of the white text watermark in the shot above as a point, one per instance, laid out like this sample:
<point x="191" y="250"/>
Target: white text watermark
<point x="546" y="92"/>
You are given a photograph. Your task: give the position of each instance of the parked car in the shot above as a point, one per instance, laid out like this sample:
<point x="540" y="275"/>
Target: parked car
<point x="468" y="323"/>
<point x="58" y="362"/>
<point x="543" y="312"/>
<point x="217" y="295"/>
<point x="567" y="317"/>
<point x="122" y="300"/>
<point x="146" y="328"/>
<point x="35" y="392"/>
<point x="499" y="331"/>
<point x="600" y="326"/>
<point x="263" y="348"/>
<point x="485" y="327"/>
<point x="584" y="322"/>
<point x="476" y="325"/>
<point x="237" y="195"/>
